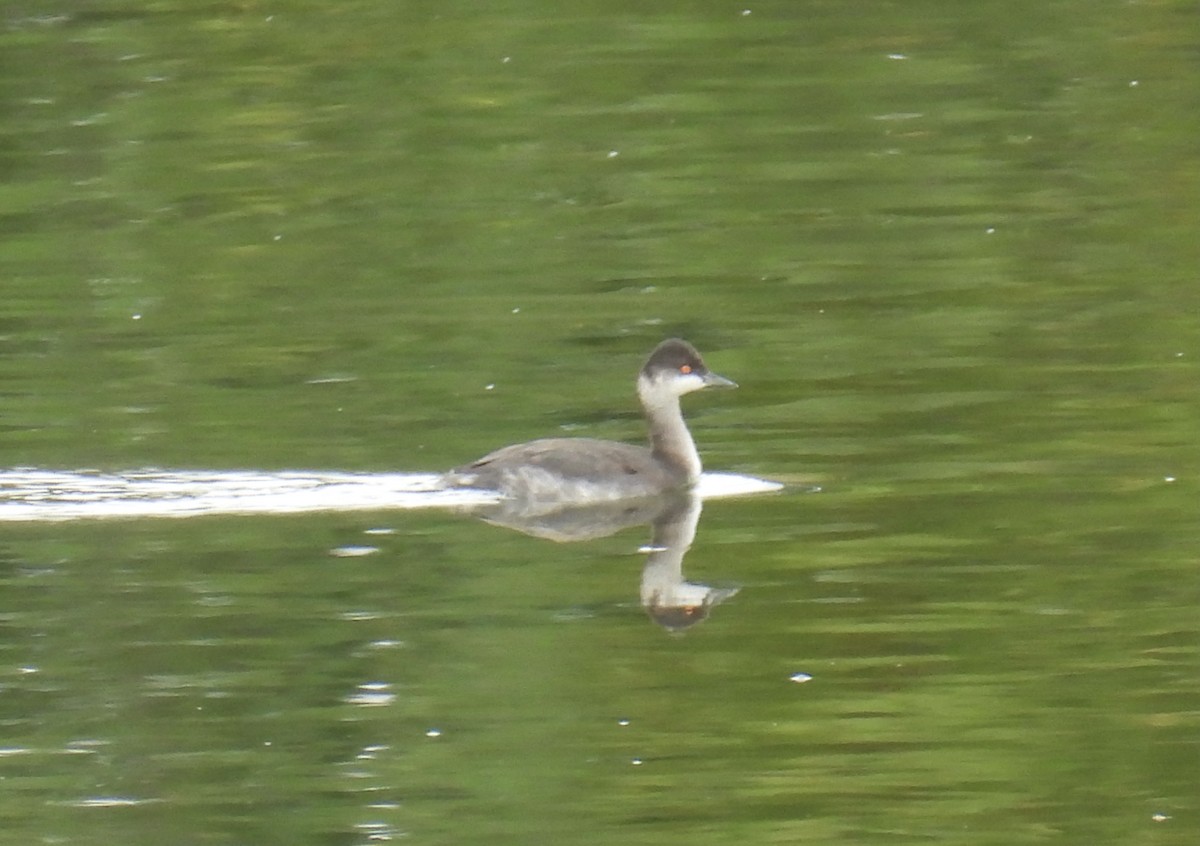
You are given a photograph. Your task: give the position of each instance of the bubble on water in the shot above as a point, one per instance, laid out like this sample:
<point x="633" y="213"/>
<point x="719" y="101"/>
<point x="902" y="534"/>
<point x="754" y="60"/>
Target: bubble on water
<point x="372" y="695"/>
<point x="353" y="551"/>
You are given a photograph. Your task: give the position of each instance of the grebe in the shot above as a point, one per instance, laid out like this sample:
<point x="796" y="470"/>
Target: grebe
<point x="573" y="470"/>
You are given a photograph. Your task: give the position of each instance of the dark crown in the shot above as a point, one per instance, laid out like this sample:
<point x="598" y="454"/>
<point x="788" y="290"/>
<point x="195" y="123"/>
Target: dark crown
<point x="674" y="354"/>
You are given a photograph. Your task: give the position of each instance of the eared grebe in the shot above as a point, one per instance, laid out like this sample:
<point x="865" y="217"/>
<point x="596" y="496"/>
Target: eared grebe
<point x="573" y="470"/>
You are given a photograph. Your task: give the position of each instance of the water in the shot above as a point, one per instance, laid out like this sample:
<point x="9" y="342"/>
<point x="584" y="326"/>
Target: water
<point x="33" y="495"/>
<point x="949" y="254"/>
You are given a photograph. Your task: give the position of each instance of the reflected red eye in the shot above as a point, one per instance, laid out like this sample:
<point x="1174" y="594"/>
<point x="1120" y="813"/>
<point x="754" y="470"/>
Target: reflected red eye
<point x="686" y="368"/>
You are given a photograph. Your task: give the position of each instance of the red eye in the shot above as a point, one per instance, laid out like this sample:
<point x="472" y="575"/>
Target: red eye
<point x="685" y="368"/>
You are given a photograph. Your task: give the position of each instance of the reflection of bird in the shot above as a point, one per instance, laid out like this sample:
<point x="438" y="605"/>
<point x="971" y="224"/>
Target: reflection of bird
<point x="670" y="600"/>
<point x="591" y="470"/>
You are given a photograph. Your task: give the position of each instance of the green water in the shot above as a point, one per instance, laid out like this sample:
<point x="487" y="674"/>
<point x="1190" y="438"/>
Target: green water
<point x="948" y="250"/>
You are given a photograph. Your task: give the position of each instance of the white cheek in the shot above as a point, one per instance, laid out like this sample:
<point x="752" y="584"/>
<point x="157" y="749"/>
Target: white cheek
<point x="686" y="383"/>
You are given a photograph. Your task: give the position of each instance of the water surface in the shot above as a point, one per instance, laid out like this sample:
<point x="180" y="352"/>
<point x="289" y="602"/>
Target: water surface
<point x="948" y="251"/>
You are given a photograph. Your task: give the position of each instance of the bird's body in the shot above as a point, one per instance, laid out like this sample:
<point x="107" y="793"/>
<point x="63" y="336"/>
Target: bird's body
<point x="587" y="469"/>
